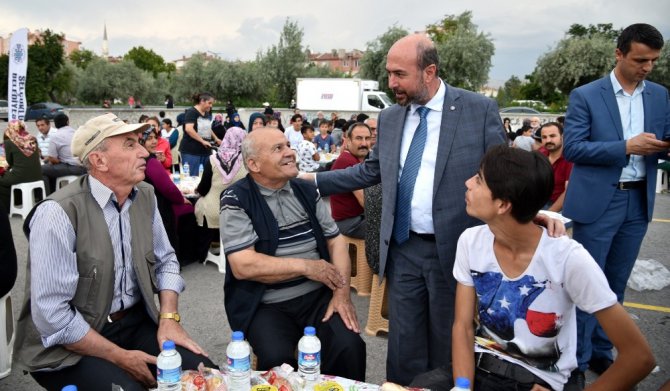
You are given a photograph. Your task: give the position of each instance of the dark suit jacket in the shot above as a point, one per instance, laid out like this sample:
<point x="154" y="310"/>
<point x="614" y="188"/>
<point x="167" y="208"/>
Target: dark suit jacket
<point x="470" y="125"/>
<point x="593" y="140"/>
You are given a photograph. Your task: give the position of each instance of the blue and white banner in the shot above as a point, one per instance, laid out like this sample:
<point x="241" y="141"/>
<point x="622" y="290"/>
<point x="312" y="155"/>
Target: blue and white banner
<point x="18" y="66"/>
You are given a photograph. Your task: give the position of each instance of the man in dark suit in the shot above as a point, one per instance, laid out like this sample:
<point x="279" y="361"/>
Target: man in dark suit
<point x="614" y="129"/>
<point x="418" y="256"/>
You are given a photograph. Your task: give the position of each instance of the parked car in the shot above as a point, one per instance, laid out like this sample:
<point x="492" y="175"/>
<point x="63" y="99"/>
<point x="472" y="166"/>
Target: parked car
<point x="43" y="110"/>
<point x="518" y="110"/>
<point x="4" y="111"/>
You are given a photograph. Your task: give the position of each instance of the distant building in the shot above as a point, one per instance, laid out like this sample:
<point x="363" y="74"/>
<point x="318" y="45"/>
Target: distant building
<point x="68" y="46"/>
<point x="338" y="60"/>
<point x="183" y="60"/>
<point x="489" y="91"/>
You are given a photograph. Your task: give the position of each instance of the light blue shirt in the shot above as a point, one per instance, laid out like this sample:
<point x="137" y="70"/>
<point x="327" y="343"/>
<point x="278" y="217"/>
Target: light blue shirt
<point x="53" y="263"/>
<point x="631" y="110"/>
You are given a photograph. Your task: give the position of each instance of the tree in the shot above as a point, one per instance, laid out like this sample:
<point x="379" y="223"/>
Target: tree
<point x="103" y="80"/>
<point x="510" y="91"/>
<point x="191" y="79"/>
<point x="661" y="72"/>
<point x="601" y="29"/>
<point x="574" y="62"/>
<point x="45" y="58"/>
<point x="284" y="62"/>
<point x="465" y="53"/>
<point x="81" y="58"/>
<point x="373" y="63"/>
<point x="147" y="60"/>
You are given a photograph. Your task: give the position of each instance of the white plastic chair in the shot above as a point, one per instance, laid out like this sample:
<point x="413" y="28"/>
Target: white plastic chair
<point x="28" y="198"/>
<point x="6" y="335"/>
<point x="218" y="259"/>
<point x="661" y="179"/>
<point x="63" y="181"/>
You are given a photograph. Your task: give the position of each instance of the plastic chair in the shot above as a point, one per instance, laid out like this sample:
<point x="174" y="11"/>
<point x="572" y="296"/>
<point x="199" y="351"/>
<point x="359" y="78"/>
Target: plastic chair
<point x="6" y="335"/>
<point x="661" y="179"/>
<point x="63" y="181"/>
<point x="361" y="274"/>
<point x="28" y="198"/>
<point x="378" y="310"/>
<point x="218" y="259"/>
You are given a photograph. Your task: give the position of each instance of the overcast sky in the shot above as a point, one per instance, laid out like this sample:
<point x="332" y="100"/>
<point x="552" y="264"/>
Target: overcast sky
<point x="522" y="30"/>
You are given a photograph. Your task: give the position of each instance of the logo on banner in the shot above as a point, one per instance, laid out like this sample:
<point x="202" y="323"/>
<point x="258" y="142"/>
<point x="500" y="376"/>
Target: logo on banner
<point x="19" y="53"/>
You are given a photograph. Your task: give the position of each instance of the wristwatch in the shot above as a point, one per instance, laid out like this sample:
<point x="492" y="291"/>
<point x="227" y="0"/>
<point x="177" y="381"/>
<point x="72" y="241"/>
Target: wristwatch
<point x="170" y="315"/>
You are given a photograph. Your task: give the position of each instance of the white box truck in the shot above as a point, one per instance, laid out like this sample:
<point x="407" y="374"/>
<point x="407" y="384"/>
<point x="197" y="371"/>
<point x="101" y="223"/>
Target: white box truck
<point x="333" y="94"/>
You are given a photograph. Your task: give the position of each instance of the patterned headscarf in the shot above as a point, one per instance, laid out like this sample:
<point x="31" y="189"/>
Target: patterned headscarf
<point x="229" y="157"/>
<point x="16" y="131"/>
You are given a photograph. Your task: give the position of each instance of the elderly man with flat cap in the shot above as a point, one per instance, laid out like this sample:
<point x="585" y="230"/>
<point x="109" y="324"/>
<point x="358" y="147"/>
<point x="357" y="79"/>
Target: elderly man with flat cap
<point x="98" y="254"/>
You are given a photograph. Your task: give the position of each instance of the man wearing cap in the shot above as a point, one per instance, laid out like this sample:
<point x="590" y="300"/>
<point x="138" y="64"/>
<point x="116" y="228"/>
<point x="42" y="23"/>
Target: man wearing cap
<point x="99" y="255"/>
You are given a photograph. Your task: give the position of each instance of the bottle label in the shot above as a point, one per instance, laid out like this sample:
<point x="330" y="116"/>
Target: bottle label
<point x="309" y="359"/>
<point x="169" y="375"/>
<point x="239" y="364"/>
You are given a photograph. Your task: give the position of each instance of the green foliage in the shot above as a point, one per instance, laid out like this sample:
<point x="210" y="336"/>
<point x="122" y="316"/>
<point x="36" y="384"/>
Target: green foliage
<point x="510" y="91"/>
<point x="65" y="83"/>
<point x="373" y="63"/>
<point x="661" y="72"/>
<point x="103" y="80"/>
<point x="147" y="60"/>
<point x="191" y="79"/>
<point x="574" y="62"/>
<point x="81" y="58"/>
<point x="45" y="58"/>
<point x="313" y="70"/>
<point x="601" y="29"/>
<point x="283" y="63"/>
<point x="465" y="53"/>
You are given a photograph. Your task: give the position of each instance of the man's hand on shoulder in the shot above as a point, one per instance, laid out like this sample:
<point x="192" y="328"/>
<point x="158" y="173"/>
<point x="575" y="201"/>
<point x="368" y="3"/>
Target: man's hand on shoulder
<point x="341" y="303"/>
<point x="307" y="176"/>
<point x="645" y="144"/>
<point x="169" y="329"/>
<point x="555" y="228"/>
<point x="325" y="272"/>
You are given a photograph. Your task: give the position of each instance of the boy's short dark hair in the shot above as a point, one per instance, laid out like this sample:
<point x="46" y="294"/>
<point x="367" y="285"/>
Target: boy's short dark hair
<point x="167" y="121"/>
<point x="307" y="126"/>
<point x="326" y="121"/>
<point x="641" y="33"/>
<point x="60" y="120"/>
<point x="525" y="179"/>
<point x="295" y="117"/>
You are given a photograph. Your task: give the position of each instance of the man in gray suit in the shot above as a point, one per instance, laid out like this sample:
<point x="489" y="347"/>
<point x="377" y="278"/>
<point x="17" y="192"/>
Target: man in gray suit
<point x="418" y="256"/>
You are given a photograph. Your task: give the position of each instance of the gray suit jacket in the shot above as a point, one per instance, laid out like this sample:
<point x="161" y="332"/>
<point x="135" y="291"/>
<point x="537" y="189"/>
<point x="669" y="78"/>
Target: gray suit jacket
<point x="470" y="125"/>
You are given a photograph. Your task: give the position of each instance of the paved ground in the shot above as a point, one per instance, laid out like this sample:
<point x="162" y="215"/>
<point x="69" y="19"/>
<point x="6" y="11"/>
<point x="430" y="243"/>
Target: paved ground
<point x="201" y="306"/>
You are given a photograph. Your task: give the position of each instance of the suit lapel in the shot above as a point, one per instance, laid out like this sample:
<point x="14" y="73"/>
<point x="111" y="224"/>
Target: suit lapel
<point x="607" y="93"/>
<point x="448" y="128"/>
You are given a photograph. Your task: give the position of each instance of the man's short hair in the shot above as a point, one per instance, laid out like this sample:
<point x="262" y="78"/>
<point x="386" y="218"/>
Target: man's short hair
<point x="45" y="120"/>
<point x="61" y="120"/>
<point x="641" y="33"/>
<point x="326" y="121"/>
<point x="307" y="126"/>
<point x="295" y="117"/>
<point x="427" y="55"/>
<point x="248" y="149"/>
<point x="525" y="179"/>
<point x="548" y="124"/>
<point x="357" y="125"/>
<point x="167" y="121"/>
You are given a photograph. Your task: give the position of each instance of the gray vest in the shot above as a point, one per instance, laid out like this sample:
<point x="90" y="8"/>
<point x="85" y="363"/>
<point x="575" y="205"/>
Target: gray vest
<point x="95" y="264"/>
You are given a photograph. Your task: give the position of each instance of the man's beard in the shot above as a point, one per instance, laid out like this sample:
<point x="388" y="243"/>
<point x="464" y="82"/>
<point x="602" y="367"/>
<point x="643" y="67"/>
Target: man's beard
<point x="421" y="98"/>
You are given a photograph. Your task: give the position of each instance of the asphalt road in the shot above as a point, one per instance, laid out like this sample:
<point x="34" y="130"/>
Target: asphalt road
<point x="201" y="306"/>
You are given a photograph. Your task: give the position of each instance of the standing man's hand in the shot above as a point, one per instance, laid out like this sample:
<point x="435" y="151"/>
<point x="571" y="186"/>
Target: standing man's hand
<point x="645" y="144"/>
<point x="169" y="329"/>
<point x="307" y="176"/>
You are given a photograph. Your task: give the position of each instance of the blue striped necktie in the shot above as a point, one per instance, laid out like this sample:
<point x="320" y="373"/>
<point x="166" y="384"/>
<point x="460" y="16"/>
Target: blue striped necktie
<point x="410" y="169"/>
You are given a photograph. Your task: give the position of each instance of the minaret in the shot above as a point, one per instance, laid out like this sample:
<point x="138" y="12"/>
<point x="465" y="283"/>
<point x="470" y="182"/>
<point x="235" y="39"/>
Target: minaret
<point x="105" y="44"/>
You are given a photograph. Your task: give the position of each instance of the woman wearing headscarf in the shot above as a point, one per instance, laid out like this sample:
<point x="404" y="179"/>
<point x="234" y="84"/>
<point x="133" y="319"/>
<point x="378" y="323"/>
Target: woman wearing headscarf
<point x="221" y="170"/>
<point x="22" y="161"/>
<point x="218" y="128"/>
<point x="256" y="120"/>
<point x="235" y="121"/>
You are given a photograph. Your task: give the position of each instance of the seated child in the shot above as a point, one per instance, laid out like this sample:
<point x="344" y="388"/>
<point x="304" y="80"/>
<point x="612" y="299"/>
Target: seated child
<point x="307" y="151"/>
<point x="324" y="140"/>
<point x="522" y="288"/>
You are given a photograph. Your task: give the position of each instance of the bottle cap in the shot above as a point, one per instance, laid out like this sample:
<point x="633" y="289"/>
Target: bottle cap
<point x="309" y="330"/>
<point x="168" y="345"/>
<point x="69" y="388"/>
<point x="238" y="336"/>
<point x="463" y="382"/>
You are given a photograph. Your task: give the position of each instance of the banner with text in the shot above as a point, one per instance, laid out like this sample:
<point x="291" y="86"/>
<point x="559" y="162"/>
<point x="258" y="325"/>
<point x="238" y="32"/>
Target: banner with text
<point x="18" y="66"/>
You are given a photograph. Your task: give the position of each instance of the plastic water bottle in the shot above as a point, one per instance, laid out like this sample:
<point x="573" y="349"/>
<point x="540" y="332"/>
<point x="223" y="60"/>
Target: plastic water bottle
<point x="187" y="170"/>
<point x="201" y="169"/>
<point x="327" y="148"/>
<point x="238" y="353"/>
<point x="309" y="355"/>
<point x="462" y="384"/>
<point x="69" y="388"/>
<point x="168" y="367"/>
